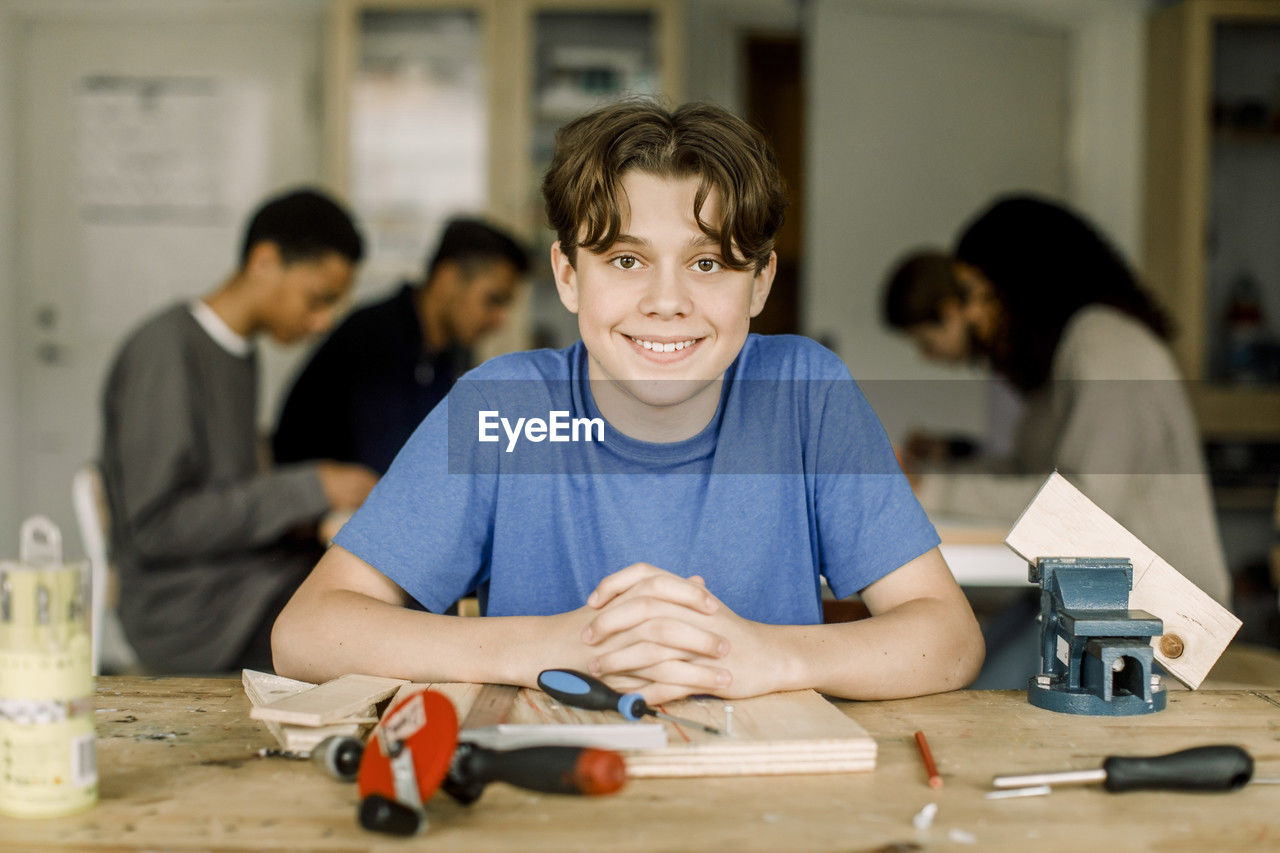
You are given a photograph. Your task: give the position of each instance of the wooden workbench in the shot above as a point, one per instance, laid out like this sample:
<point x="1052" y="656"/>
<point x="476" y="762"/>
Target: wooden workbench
<point x="179" y="770"/>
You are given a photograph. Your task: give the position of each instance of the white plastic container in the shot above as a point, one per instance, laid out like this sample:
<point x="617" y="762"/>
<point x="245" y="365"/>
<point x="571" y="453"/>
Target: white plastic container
<point x="48" y="763"/>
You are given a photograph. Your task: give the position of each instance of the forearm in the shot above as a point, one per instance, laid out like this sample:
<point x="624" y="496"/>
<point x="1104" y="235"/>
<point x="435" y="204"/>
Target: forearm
<point x="228" y="517"/>
<point x="324" y="634"/>
<point x="926" y="645"/>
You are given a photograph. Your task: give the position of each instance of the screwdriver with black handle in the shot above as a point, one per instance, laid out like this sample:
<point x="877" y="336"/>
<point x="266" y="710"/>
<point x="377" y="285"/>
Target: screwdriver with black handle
<point x="579" y="690"/>
<point x="1202" y="768"/>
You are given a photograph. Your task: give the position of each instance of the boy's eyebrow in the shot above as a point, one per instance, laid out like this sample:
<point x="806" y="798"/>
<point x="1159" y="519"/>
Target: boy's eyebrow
<point x="633" y="240"/>
<point x="695" y="243"/>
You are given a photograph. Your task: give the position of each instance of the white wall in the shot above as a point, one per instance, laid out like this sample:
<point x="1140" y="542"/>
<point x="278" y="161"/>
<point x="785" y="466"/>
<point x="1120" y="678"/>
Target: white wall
<point x="916" y="119"/>
<point x="1106" y="121"/>
<point x="919" y="112"/>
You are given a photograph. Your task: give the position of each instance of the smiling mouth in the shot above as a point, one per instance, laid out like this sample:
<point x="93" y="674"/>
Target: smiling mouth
<point x="663" y="346"/>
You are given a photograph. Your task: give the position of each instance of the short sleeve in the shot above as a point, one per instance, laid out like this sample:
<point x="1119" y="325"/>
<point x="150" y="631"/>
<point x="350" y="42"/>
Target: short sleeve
<point x="869" y="522"/>
<point x="428" y="523"/>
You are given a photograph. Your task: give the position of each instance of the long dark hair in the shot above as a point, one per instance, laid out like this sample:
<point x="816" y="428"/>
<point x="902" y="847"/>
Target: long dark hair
<point x="1045" y="263"/>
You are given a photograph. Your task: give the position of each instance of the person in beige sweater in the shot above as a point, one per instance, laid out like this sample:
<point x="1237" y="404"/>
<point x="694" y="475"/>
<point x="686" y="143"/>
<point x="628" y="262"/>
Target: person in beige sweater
<point x="1057" y="311"/>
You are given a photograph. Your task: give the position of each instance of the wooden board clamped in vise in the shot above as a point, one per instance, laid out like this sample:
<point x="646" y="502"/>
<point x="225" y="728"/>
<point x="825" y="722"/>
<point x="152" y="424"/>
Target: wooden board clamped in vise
<point x="1194" y="628"/>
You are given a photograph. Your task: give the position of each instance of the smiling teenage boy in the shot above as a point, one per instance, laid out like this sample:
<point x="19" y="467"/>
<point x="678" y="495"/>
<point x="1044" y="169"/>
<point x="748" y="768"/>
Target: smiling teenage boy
<point x="682" y="550"/>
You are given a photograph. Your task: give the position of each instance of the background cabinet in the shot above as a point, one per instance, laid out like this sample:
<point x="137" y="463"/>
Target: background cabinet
<point x="442" y="107"/>
<point x="1213" y="203"/>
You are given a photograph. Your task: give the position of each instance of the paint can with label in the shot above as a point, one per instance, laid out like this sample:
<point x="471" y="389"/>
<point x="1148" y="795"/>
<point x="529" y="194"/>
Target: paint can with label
<point x="48" y="763"/>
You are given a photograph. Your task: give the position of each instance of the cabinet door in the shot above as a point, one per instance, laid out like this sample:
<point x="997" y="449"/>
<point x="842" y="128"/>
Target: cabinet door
<point x="1213" y="196"/>
<point x="416" y="141"/>
<point x="1242" y="272"/>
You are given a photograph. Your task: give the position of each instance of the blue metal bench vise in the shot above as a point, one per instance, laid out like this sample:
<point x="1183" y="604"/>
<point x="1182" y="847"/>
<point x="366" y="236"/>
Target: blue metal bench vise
<point x="1095" y="653"/>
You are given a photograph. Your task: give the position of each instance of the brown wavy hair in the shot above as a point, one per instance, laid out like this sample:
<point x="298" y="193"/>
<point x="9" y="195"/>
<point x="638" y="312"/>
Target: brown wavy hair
<point x="583" y="194"/>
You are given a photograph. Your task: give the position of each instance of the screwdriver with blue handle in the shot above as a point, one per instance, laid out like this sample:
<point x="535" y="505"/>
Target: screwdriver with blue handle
<point x="579" y="690"/>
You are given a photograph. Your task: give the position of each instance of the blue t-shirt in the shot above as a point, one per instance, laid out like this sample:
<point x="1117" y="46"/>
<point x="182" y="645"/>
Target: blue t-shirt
<point x="793" y="479"/>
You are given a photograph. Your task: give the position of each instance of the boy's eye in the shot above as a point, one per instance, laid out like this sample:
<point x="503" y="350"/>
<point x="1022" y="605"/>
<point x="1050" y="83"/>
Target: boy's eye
<point x="707" y="265"/>
<point x="625" y="262"/>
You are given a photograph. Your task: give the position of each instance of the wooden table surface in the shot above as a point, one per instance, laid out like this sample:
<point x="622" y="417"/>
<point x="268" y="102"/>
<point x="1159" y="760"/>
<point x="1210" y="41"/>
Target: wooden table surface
<point x="179" y="770"/>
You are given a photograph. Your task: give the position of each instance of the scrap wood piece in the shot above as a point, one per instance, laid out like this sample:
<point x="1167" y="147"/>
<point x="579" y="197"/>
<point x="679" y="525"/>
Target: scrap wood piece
<point x="263" y="688"/>
<point x="330" y="702"/>
<point x="1062" y="522"/>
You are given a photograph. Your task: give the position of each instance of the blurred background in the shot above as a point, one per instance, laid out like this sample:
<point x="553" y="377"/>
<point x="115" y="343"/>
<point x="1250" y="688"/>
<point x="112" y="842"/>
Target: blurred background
<point x="136" y="135"/>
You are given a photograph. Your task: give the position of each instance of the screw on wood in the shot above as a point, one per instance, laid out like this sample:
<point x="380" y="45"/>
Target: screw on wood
<point x="1171" y="646"/>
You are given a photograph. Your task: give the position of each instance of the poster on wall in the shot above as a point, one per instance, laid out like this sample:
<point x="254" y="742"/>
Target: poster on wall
<point x="167" y="167"/>
<point x="153" y="148"/>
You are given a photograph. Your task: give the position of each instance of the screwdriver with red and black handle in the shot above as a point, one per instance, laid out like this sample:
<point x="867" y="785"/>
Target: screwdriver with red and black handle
<point x="579" y="690"/>
<point x="1202" y="768"/>
<point x="551" y="769"/>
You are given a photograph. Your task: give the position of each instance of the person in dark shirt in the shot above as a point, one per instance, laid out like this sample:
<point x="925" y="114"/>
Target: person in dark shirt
<point x="386" y="366"/>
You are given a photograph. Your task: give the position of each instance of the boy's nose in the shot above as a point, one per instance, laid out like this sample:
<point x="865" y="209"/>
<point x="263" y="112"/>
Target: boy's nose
<point x="666" y="295"/>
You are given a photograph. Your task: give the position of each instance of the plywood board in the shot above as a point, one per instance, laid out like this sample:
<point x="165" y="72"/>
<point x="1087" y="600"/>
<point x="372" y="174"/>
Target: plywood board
<point x="330" y="702"/>
<point x="781" y="733"/>
<point x="1062" y="522"/>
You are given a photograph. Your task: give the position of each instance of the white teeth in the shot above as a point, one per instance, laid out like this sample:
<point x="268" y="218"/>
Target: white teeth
<point x="659" y="347"/>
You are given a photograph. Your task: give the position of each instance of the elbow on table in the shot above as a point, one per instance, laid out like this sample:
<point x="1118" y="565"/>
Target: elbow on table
<point x="969" y="652"/>
<point x="288" y="644"/>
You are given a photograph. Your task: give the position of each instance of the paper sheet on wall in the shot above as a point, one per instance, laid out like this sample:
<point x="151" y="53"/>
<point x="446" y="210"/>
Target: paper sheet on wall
<point x="150" y="147"/>
<point x="168" y="167"/>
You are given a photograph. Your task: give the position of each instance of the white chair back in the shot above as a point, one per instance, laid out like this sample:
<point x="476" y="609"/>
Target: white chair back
<point x="93" y="516"/>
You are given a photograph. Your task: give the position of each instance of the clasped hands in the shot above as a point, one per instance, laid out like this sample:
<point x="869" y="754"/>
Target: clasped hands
<point x="645" y="629"/>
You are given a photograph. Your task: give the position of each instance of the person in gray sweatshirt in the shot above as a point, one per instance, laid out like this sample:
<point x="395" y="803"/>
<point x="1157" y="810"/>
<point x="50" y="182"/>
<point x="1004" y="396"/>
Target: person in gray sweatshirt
<point x="210" y="542"/>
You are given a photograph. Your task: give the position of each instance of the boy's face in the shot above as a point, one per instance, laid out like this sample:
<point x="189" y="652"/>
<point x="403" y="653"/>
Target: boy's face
<point x="947" y="340"/>
<point x="980" y="306"/>
<point x="660" y="314"/>
<point x="478" y="304"/>
<point x="300" y="298"/>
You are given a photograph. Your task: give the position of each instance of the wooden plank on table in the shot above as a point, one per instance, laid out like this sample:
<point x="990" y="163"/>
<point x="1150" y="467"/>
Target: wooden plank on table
<point x="796" y="732"/>
<point x="779" y="733"/>
<point x="330" y="702"/>
<point x="1062" y="522"/>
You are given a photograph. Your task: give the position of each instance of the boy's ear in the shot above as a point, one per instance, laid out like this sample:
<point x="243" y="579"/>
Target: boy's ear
<point x="761" y="283"/>
<point x="263" y="257"/>
<point x="566" y="278"/>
